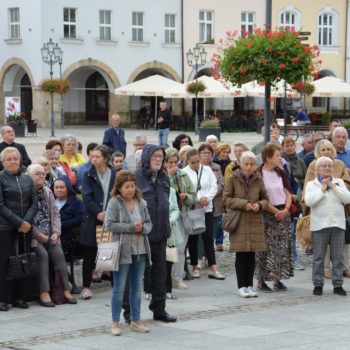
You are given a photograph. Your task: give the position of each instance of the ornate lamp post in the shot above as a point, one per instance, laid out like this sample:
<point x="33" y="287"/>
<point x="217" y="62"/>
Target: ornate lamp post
<point x="60" y="61"/>
<point x="200" y="58"/>
<point x="50" y="54"/>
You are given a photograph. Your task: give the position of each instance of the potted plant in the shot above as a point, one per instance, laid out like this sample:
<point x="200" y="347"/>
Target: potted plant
<point x="55" y="86"/>
<point x="259" y="119"/>
<point x="346" y="124"/>
<point x="209" y="127"/>
<point x="195" y="87"/>
<point x="17" y="121"/>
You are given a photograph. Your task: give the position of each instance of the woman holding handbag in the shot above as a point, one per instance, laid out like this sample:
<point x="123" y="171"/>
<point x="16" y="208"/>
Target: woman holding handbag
<point x="186" y="198"/>
<point x="204" y="181"/>
<point x="98" y="182"/>
<point x="18" y="203"/>
<point x="128" y="219"/>
<point x="245" y="191"/>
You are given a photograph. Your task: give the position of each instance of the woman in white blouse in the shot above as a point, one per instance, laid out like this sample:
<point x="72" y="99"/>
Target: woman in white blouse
<point x="205" y="183"/>
<point x="326" y="196"/>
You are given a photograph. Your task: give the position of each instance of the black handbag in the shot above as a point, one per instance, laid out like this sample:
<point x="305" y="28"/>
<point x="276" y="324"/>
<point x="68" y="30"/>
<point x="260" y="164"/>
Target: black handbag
<point x="22" y="265"/>
<point x="347" y="231"/>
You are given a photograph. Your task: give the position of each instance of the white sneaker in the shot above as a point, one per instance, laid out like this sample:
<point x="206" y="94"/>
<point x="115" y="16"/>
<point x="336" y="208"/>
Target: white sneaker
<point x="195" y="274"/>
<point x="179" y="285"/>
<point x="243" y="292"/>
<point x="251" y="292"/>
<point x="148" y="296"/>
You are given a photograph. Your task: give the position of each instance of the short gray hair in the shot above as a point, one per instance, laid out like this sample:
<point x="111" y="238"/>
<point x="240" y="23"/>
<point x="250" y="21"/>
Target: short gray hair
<point x="323" y="160"/>
<point x="211" y="137"/>
<point x="338" y="130"/>
<point x="141" y="137"/>
<point x="306" y="137"/>
<point x="321" y="143"/>
<point x="33" y="168"/>
<point x="7" y="150"/>
<point x="248" y="154"/>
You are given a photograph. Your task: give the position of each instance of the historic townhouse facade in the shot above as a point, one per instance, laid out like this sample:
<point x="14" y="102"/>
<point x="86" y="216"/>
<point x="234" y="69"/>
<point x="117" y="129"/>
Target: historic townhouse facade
<point x="326" y="21"/>
<point x="106" y="44"/>
<point x="110" y="43"/>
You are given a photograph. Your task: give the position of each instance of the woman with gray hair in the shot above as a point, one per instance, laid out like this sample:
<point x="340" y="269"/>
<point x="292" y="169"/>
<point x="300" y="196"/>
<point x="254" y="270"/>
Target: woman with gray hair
<point x="18" y="203"/>
<point x="326" y="197"/>
<point x="46" y="238"/>
<point x="245" y="191"/>
<point x="325" y="148"/>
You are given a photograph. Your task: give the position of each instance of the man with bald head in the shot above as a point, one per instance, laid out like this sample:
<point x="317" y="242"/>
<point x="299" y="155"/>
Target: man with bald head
<point x="8" y="135"/>
<point x="114" y="137"/>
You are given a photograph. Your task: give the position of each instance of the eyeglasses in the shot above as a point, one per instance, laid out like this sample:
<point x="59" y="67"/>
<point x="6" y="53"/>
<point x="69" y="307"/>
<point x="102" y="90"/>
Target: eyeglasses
<point x="39" y="174"/>
<point x="206" y="153"/>
<point x="9" y="132"/>
<point x="326" y="166"/>
<point x="155" y="156"/>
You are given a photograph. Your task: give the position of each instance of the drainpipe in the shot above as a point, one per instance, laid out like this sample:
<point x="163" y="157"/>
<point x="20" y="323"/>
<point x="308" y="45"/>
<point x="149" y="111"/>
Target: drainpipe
<point x="346" y="100"/>
<point x="182" y="55"/>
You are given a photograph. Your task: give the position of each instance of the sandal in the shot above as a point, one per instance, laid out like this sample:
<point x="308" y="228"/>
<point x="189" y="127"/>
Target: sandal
<point x="279" y="286"/>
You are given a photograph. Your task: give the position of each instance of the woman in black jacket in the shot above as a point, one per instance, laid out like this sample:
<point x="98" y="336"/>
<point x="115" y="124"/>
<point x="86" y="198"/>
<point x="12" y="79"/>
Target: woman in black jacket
<point x="18" y="204"/>
<point x="98" y="182"/>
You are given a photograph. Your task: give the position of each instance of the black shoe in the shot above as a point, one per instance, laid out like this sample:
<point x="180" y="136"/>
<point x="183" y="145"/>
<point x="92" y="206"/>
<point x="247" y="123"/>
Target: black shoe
<point x="279" y="286"/>
<point x="127" y="317"/>
<point x="164" y="317"/>
<point x="20" y="304"/>
<point x="318" y="290"/>
<point x="265" y="288"/>
<point x="4" y="307"/>
<point x="339" y="290"/>
<point x="46" y="303"/>
<point x="71" y="301"/>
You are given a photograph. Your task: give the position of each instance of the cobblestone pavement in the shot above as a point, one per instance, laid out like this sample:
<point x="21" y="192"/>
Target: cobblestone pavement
<point x="210" y="313"/>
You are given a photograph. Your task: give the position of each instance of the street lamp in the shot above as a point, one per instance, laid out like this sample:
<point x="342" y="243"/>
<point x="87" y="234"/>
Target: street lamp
<point x="200" y="57"/>
<point x="60" y="61"/>
<point x="50" y="53"/>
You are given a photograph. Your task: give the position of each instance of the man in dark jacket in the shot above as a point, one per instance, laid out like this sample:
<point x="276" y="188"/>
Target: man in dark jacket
<point x="164" y="121"/>
<point x="114" y="137"/>
<point x="152" y="180"/>
<point x="8" y="136"/>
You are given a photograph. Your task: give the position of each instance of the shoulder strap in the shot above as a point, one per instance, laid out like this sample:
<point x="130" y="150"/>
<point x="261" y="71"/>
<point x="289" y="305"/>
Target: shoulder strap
<point x="199" y="179"/>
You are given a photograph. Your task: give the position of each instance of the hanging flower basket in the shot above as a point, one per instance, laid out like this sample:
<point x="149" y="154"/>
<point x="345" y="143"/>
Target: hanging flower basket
<point x="267" y="56"/>
<point x="195" y="87"/>
<point x="55" y="86"/>
<point x="305" y="88"/>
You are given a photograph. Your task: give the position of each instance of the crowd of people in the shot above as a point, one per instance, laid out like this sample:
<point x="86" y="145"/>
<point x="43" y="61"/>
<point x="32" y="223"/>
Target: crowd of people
<point x="59" y="197"/>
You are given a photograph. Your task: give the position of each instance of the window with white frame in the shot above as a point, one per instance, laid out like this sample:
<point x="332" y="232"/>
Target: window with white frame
<point x="105" y="25"/>
<point x="326" y="29"/>
<point x="169" y="27"/>
<point x="70" y="23"/>
<point x="206" y="24"/>
<point x="247" y="22"/>
<point x="14" y="23"/>
<point x="137" y="26"/>
<point x="288" y="20"/>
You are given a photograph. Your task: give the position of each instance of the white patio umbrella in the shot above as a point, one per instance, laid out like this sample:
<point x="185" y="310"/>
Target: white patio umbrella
<point x="254" y="89"/>
<point x="331" y="87"/>
<point x="155" y="85"/>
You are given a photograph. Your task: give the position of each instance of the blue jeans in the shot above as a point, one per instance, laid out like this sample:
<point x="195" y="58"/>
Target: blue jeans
<point x="218" y="231"/>
<point x="120" y="278"/>
<point x="163" y="137"/>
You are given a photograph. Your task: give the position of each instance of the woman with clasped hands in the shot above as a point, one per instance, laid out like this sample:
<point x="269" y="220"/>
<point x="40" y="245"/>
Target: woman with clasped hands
<point x="18" y="204"/>
<point x="245" y="191"/>
<point x="326" y="197"/>
<point x="128" y="219"/>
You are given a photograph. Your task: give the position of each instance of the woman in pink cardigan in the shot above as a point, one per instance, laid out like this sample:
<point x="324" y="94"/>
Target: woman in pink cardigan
<point x="46" y="238"/>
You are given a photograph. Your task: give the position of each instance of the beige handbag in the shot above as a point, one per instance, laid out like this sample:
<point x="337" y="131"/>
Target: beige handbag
<point x="230" y="220"/>
<point x="172" y="254"/>
<point x="108" y="254"/>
